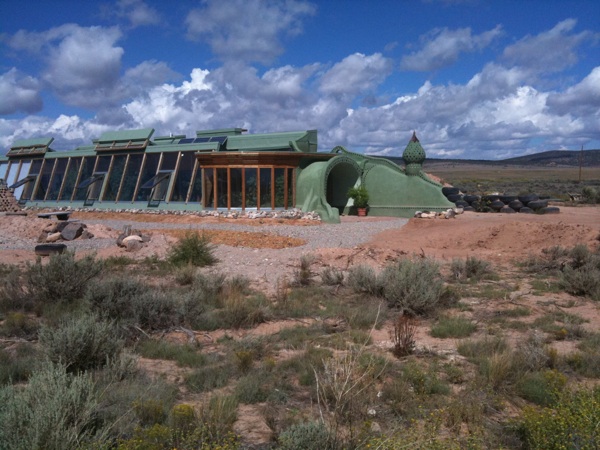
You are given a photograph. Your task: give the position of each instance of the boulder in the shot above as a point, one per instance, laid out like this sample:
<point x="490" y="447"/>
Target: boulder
<point x="133" y="245"/>
<point x="72" y="231"/>
<point x="133" y="237"/>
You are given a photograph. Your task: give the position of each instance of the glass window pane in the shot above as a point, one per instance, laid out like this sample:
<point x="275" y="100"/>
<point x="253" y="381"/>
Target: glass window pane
<point x="196" y="193"/>
<point x="12" y="173"/>
<point x="36" y="166"/>
<point x="86" y="172"/>
<point x="236" y="187"/>
<point x="103" y="164"/>
<point x="23" y="192"/>
<point x="70" y="178"/>
<point x="148" y="172"/>
<point x="251" y="188"/>
<point x="131" y="175"/>
<point x="169" y="160"/>
<point x="114" y="178"/>
<point x="222" y="188"/>
<point x="57" y="179"/>
<point x="3" y="169"/>
<point x="279" y="187"/>
<point x="265" y="188"/>
<point x="44" y="179"/>
<point x="184" y="177"/>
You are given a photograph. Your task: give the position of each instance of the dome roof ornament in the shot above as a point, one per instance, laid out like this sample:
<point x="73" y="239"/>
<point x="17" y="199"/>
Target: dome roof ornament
<point x="413" y="156"/>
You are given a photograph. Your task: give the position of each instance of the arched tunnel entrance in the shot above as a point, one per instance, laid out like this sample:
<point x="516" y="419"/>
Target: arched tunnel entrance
<point x="342" y="174"/>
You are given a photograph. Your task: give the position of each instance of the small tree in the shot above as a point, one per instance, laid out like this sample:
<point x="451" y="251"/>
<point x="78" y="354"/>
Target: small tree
<point x="360" y="195"/>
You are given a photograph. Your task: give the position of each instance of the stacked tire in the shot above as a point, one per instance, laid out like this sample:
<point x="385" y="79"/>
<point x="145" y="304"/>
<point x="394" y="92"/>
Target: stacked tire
<point x="503" y="203"/>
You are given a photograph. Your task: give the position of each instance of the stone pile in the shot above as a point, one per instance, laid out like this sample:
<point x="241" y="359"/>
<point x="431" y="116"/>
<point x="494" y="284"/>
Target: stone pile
<point x="448" y="214"/>
<point x="64" y="230"/>
<point x="502" y="203"/>
<point x="131" y="239"/>
<point x="8" y="202"/>
<point x="290" y="214"/>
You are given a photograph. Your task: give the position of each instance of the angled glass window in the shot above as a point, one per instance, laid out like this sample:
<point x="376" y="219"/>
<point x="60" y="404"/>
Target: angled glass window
<point x="22" y="181"/>
<point x="183" y="177"/>
<point x="57" y="179"/>
<point x="155" y="180"/>
<point x="70" y="178"/>
<point x="114" y="178"/>
<point x="132" y="172"/>
<point x="44" y="181"/>
<point x="195" y="195"/>
<point x="148" y="171"/>
<point x="91" y="180"/>
<point x="87" y="168"/>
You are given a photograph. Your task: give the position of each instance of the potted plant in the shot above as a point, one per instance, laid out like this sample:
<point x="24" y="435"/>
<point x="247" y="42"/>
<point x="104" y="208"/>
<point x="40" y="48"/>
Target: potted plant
<point x="360" y="196"/>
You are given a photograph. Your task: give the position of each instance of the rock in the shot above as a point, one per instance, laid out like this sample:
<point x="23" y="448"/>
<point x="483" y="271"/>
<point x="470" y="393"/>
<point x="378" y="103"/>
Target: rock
<point x="450" y="214"/>
<point x="133" y="237"/>
<point x="120" y="239"/>
<point x="60" y="226"/>
<point x="53" y="237"/>
<point x="42" y="237"/>
<point x="146" y="238"/>
<point x="132" y="245"/>
<point x="375" y="428"/>
<point x="71" y="231"/>
<point x="86" y="235"/>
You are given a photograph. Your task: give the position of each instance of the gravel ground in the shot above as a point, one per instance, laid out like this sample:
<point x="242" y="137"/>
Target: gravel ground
<point x="264" y="267"/>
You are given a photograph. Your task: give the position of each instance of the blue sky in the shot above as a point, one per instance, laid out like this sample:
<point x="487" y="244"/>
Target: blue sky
<point x="476" y="79"/>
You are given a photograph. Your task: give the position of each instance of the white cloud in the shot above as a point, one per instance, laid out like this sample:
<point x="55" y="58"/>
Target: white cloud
<point x="247" y="30"/>
<point x="19" y="93"/>
<point x="582" y="98"/>
<point x="137" y="12"/>
<point x="550" y="51"/>
<point x="355" y="74"/>
<point x="441" y="47"/>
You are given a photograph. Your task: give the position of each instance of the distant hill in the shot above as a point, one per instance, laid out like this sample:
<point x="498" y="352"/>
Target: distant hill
<point x="559" y="158"/>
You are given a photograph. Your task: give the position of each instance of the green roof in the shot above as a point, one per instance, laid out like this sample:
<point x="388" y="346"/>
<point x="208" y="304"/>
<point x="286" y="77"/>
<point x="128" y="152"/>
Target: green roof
<point x="126" y="135"/>
<point x="39" y="142"/>
<point x="306" y="141"/>
<point x="221" y="132"/>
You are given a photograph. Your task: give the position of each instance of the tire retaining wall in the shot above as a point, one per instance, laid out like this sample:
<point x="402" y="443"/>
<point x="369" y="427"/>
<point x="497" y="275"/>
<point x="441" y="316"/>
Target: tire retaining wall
<point x="502" y="203"/>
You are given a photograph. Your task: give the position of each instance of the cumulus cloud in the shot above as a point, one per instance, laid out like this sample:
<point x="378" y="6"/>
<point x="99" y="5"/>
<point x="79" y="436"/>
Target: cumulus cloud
<point x="582" y="98"/>
<point x="355" y="74"/>
<point x="19" y="93"/>
<point x="550" y="51"/>
<point x="441" y="47"/>
<point x="247" y="30"/>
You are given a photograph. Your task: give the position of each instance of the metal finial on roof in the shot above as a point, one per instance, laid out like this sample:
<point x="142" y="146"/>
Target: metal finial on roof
<point x="414" y="137"/>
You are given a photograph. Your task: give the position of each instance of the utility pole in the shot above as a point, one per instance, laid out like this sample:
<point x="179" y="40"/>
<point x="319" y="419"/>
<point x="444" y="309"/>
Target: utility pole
<point x="580" y="163"/>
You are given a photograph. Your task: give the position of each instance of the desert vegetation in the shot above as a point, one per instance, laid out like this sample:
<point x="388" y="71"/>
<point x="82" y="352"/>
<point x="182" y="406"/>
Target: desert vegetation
<point x="161" y="354"/>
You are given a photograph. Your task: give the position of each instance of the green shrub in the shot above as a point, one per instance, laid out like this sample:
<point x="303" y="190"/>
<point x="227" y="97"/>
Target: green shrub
<point x="590" y="195"/>
<point x="210" y="377"/>
<point x="63" y="279"/>
<point x="13" y="294"/>
<point x="363" y="279"/>
<point x="56" y="410"/>
<point x="541" y="388"/>
<point x="239" y="311"/>
<point x="305" y="436"/>
<point x="413" y="286"/>
<point x="185" y="275"/>
<point x="18" y="365"/>
<point x="134" y="302"/>
<point x="453" y="327"/>
<point x="19" y="325"/>
<point x="584" y="280"/>
<point x="480" y="348"/>
<point x="192" y="249"/>
<point x="253" y="388"/>
<point x="81" y="343"/>
<point x="303" y="274"/>
<point x="572" y="423"/>
<point x="332" y="276"/>
<point x="470" y="269"/>
<point x="184" y="355"/>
